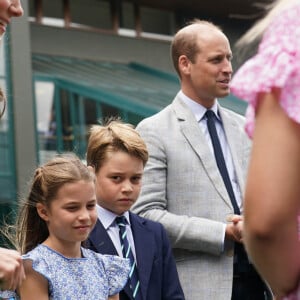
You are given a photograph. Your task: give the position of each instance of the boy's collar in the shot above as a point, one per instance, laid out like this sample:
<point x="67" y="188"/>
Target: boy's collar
<point x="107" y="217"/>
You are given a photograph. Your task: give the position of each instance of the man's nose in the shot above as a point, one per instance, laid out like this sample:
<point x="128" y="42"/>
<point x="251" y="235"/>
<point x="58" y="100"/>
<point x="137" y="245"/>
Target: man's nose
<point x="227" y="67"/>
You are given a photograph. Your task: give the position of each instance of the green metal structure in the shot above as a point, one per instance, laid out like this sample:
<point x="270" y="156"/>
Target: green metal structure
<point x="87" y="92"/>
<point x="83" y="93"/>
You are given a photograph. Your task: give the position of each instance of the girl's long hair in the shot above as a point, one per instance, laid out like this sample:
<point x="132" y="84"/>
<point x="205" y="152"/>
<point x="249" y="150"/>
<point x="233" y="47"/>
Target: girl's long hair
<point x="32" y="230"/>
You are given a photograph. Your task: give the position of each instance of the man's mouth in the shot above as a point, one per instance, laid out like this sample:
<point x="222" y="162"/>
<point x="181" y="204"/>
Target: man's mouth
<point x="225" y="81"/>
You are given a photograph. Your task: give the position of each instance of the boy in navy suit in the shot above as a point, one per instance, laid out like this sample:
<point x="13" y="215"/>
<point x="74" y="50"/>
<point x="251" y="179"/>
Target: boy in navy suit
<point x="117" y="154"/>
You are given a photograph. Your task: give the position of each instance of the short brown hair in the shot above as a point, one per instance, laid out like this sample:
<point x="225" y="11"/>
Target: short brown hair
<point x="112" y="137"/>
<point x="185" y="42"/>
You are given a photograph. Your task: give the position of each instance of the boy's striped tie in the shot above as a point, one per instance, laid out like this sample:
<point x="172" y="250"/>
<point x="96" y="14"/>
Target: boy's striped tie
<point x="127" y="253"/>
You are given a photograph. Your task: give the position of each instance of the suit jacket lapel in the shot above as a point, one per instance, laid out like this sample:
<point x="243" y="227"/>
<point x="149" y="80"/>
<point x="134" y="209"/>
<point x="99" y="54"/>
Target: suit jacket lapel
<point x="191" y="130"/>
<point x="236" y="141"/>
<point x="101" y="240"/>
<point x="144" y="248"/>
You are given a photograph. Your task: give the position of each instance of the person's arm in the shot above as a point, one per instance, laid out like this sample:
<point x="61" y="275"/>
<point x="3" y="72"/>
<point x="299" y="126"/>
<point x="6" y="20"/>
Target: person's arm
<point x="34" y="284"/>
<point x="272" y="196"/>
<point x="11" y="269"/>
<point x="114" y="297"/>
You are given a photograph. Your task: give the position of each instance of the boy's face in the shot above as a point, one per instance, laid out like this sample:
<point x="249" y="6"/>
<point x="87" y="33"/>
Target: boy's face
<point x="118" y="182"/>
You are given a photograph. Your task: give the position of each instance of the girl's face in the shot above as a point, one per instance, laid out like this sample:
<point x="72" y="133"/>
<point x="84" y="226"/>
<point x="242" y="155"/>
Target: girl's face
<point x="118" y="182"/>
<point x="71" y="215"/>
<point x="9" y="9"/>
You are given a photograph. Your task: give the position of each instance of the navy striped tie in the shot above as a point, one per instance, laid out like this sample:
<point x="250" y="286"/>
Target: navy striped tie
<point x="126" y="250"/>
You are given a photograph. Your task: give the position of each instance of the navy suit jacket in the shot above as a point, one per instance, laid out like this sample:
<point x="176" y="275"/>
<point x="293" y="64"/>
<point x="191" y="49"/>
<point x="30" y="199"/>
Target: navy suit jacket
<point x="156" y="265"/>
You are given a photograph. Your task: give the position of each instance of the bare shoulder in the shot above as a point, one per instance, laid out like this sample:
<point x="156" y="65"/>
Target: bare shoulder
<point x="34" y="284"/>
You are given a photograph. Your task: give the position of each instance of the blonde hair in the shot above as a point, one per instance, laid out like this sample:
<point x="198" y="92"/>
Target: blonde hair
<point x="112" y="137"/>
<point x="32" y="230"/>
<point x="256" y="32"/>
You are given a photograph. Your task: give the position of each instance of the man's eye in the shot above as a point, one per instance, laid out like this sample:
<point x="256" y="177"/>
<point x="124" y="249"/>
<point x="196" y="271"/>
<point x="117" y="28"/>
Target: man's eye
<point x="217" y="60"/>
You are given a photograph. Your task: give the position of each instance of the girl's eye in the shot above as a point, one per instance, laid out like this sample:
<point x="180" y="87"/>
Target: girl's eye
<point x="91" y="206"/>
<point x="71" y="208"/>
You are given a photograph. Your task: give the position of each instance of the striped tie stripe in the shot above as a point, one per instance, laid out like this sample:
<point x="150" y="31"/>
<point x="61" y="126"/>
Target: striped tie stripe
<point x="127" y="253"/>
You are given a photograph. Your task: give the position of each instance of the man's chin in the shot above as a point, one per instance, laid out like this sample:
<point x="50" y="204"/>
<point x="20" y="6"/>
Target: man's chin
<point x="223" y="94"/>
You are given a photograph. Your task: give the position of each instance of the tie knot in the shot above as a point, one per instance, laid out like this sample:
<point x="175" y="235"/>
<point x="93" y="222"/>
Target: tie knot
<point x="210" y="114"/>
<point x="121" y="221"/>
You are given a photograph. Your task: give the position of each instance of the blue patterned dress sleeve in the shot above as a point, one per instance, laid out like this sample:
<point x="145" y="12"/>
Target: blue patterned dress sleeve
<point x="117" y="272"/>
<point x="10" y="295"/>
<point x="93" y="276"/>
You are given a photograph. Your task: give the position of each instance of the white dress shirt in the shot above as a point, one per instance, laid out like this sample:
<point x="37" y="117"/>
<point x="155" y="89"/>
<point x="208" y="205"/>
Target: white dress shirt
<point x="107" y="218"/>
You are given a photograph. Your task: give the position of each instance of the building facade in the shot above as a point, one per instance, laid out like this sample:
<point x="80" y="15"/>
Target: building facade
<point x="68" y="64"/>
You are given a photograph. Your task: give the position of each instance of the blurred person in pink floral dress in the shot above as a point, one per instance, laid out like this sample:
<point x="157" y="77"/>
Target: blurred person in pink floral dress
<point x="270" y="83"/>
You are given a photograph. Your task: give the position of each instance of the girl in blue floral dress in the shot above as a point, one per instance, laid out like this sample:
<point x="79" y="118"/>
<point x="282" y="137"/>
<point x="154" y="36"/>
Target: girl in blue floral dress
<point x="55" y="219"/>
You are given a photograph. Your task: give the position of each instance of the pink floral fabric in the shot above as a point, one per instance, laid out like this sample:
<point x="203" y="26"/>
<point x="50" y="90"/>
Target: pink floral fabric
<point x="293" y="296"/>
<point x="277" y="64"/>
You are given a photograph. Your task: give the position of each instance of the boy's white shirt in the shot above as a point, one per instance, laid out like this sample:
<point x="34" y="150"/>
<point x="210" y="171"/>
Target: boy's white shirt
<point x="107" y="218"/>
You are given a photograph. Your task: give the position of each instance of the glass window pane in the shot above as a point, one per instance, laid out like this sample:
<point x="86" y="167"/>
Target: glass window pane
<point x="53" y="9"/>
<point x="95" y="13"/>
<point x="127" y="16"/>
<point x="46" y="126"/>
<point x="162" y="24"/>
<point x="66" y="124"/>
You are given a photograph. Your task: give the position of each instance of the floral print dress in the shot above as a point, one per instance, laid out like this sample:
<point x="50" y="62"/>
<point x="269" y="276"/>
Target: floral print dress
<point x="94" y="276"/>
<point x="276" y="65"/>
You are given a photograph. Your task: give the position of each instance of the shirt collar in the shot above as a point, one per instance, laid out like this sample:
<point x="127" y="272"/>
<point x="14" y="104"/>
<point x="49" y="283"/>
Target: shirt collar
<point x="197" y="109"/>
<point x="107" y="217"/>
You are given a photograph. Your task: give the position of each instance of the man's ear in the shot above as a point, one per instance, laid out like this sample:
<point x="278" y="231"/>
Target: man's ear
<point x="42" y="211"/>
<point x="184" y="64"/>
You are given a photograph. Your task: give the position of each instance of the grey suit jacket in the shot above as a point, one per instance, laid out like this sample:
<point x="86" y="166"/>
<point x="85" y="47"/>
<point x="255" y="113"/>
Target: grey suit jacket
<point x="183" y="189"/>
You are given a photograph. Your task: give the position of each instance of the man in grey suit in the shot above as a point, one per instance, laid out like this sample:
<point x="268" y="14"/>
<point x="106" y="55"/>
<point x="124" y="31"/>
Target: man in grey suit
<point x="182" y="185"/>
